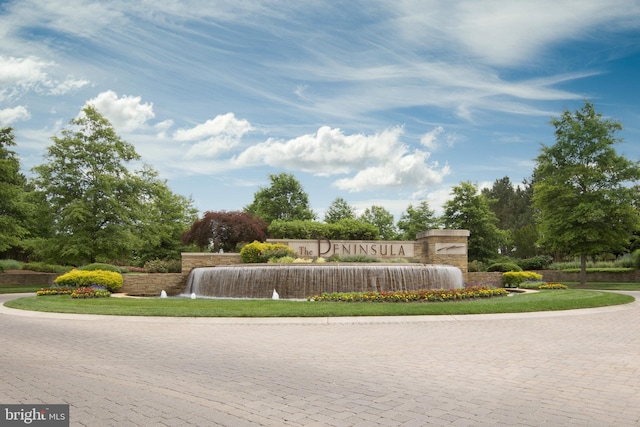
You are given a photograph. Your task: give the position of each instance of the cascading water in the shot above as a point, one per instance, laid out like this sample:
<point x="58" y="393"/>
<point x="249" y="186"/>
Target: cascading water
<point x="303" y="280"/>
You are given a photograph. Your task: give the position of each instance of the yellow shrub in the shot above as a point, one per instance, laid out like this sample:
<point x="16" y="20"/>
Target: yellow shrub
<point x="111" y="280"/>
<point x="511" y="279"/>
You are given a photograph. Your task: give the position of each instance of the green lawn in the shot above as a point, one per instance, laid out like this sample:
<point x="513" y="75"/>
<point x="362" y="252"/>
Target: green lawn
<point x="184" y="307"/>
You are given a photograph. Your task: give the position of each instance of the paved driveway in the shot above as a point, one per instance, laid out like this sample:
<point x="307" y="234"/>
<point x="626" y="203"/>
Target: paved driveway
<point x="579" y="368"/>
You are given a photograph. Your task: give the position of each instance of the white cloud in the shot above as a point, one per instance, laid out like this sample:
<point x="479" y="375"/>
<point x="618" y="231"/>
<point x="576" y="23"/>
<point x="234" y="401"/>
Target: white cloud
<point x="215" y="136"/>
<point x="504" y="33"/>
<point x="430" y="139"/>
<point x="10" y="115"/>
<point x="327" y="152"/>
<point x="401" y="171"/>
<point x="69" y="85"/>
<point x="126" y="113"/>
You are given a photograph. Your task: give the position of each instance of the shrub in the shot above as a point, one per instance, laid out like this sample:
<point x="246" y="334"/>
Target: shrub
<point x="599" y="270"/>
<point x="257" y="252"/>
<point x="46" y="268"/>
<point x="512" y="279"/>
<point x="636" y="258"/>
<point x="163" y="266"/>
<point x="101" y="266"/>
<point x="474" y="266"/>
<point x="540" y="262"/>
<point x="282" y="260"/>
<point x="504" y="267"/>
<point x="358" y="258"/>
<point x="111" y="280"/>
<point x="552" y="286"/>
<point x="10" y="264"/>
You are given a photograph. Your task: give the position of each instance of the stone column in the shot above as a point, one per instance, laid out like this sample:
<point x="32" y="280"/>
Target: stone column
<point x="445" y="247"/>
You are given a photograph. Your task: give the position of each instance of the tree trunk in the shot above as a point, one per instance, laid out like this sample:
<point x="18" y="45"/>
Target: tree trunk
<point x="583" y="269"/>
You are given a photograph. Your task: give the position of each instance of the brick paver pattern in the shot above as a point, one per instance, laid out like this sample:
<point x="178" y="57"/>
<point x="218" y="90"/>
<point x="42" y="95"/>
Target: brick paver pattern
<point x="541" y="369"/>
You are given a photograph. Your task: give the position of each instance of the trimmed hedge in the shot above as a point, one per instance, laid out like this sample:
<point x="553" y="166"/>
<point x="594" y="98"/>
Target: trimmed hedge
<point x="511" y="279"/>
<point x="111" y="280"/>
<point x="101" y="266"/>
<point x="345" y="229"/>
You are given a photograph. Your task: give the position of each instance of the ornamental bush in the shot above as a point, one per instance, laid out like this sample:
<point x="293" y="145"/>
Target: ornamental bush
<point x="504" y="266"/>
<point x="512" y="279"/>
<point x="262" y="251"/>
<point x="111" y="280"/>
<point x="101" y="266"/>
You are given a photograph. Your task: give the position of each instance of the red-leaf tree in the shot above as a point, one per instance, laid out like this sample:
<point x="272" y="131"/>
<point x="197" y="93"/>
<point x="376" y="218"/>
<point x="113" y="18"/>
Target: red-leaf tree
<point x="225" y="230"/>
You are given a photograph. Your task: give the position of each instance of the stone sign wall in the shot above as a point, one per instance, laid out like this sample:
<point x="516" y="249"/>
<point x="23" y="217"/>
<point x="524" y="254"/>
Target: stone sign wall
<point x="326" y="248"/>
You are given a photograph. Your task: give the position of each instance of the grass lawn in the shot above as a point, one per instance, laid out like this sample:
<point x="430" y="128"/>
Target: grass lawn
<point x="20" y="289"/>
<point x="184" y="307"/>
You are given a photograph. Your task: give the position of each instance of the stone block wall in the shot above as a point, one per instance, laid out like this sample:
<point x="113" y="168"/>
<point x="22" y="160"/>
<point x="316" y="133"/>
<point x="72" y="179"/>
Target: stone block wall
<point x="151" y="284"/>
<point x="482" y="278"/>
<point x="445" y="247"/>
<point x="191" y="260"/>
<point x="27" y="279"/>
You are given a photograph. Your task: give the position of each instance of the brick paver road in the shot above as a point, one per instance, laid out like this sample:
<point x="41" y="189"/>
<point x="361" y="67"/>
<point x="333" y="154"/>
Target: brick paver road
<point x="579" y="368"/>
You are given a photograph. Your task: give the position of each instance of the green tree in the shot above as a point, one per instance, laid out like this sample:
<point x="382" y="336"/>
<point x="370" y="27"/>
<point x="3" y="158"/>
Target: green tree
<point x="514" y="210"/>
<point x="382" y="219"/>
<point x="284" y="199"/>
<point x="585" y="193"/>
<point x="470" y="210"/>
<point x="416" y="220"/>
<point x="97" y="206"/>
<point x="338" y="210"/>
<point x="15" y="211"/>
<point x="163" y="218"/>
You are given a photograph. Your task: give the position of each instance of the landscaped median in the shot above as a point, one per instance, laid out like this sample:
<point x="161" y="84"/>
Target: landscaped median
<point x="544" y="300"/>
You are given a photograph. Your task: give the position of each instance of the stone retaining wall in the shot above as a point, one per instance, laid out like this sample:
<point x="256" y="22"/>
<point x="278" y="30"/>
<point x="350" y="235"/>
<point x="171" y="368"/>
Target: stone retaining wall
<point x="27" y="279"/>
<point x="479" y="278"/>
<point x="151" y="284"/>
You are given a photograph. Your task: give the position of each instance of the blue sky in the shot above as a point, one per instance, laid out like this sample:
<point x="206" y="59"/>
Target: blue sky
<point x="379" y="102"/>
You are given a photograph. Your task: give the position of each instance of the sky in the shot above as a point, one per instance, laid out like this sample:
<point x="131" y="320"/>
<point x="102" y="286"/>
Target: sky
<point x="378" y="102"/>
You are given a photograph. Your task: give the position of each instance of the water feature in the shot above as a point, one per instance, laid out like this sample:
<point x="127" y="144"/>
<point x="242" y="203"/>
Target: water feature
<point x="303" y="280"/>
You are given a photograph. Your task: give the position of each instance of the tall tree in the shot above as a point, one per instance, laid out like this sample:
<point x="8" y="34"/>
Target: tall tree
<point x="514" y="211"/>
<point x="381" y="218"/>
<point x="586" y="194"/>
<point x="339" y="210"/>
<point x="163" y="217"/>
<point x="284" y="199"/>
<point x="97" y="205"/>
<point x="416" y="220"/>
<point x="14" y="208"/>
<point x="470" y="210"/>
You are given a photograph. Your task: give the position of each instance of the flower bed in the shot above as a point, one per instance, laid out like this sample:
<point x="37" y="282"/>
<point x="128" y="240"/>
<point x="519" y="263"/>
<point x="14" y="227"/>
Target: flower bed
<point x="90" y="292"/>
<point x="420" y="295"/>
<point x="54" y="291"/>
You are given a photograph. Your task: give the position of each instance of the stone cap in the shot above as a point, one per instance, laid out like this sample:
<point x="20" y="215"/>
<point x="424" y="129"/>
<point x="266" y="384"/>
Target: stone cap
<point x="443" y="233"/>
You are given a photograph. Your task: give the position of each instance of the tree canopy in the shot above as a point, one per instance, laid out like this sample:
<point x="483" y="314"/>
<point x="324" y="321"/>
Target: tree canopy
<point x="470" y="210"/>
<point x="416" y="220"/>
<point x="97" y="205"/>
<point x="284" y="199"/>
<point x="585" y="193"/>
<point x="339" y="210"/>
<point x="224" y="230"/>
<point x="14" y="208"/>
<point x="382" y="219"/>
